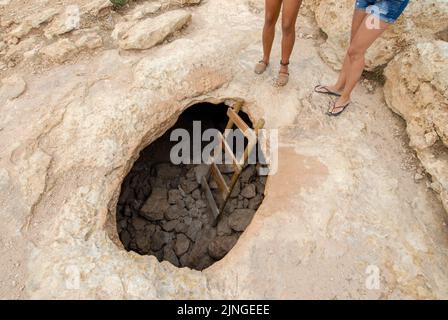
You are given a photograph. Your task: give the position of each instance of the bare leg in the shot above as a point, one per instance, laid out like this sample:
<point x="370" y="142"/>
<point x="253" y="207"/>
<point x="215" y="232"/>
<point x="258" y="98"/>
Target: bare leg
<point x="358" y="18"/>
<point x="272" y="12"/>
<point x="362" y="40"/>
<point x="289" y="17"/>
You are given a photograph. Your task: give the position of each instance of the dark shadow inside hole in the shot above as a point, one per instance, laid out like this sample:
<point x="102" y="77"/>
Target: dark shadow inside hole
<point x="162" y="209"/>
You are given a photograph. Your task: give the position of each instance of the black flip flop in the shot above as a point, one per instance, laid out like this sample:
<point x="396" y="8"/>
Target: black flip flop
<point x="331" y="93"/>
<point x="332" y="114"/>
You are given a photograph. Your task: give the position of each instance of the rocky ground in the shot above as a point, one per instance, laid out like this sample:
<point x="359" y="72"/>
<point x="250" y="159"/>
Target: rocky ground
<point x="351" y="193"/>
<point x="174" y="222"/>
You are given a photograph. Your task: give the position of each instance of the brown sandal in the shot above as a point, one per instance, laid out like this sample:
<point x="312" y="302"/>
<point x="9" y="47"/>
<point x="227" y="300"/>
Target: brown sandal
<point x="283" y="77"/>
<point x="261" y="67"/>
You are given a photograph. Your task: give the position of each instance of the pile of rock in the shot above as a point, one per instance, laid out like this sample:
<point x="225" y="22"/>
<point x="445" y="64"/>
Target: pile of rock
<point x="59" y="33"/>
<point x="162" y="211"/>
<point x="55" y="34"/>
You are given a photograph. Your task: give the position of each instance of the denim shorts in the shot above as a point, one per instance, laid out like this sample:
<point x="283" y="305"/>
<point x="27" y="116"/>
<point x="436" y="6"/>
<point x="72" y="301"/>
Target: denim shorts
<point x="386" y="10"/>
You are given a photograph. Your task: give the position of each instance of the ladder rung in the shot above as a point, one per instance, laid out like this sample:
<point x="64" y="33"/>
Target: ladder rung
<point x="211" y="201"/>
<point x="228" y="150"/>
<point x="219" y="180"/>
<point x="236" y="119"/>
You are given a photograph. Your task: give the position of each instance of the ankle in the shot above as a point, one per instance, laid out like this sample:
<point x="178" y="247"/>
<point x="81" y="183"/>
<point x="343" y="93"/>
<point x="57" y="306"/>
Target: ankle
<point x="338" y="87"/>
<point x="344" y="97"/>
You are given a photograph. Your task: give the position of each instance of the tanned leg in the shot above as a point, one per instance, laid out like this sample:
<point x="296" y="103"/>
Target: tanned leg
<point x="362" y="40"/>
<point x="272" y="12"/>
<point x="289" y="17"/>
<point x="358" y="18"/>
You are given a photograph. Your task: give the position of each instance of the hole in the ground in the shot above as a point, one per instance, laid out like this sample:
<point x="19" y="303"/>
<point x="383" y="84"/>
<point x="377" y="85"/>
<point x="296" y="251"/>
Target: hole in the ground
<point x="163" y="211"/>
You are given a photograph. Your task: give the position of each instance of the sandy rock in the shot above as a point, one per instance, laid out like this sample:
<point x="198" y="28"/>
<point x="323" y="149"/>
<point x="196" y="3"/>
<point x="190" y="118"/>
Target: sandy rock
<point x="33" y="21"/>
<point x="12" y="88"/>
<point x="169" y="4"/>
<point x="67" y="21"/>
<point x="417" y="89"/>
<point x="23" y="48"/>
<point x="95" y="7"/>
<point x="143" y="10"/>
<point x="121" y="28"/>
<point x="89" y="40"/>
<point x="59" y="51"/>
<point x="152" y="31"/>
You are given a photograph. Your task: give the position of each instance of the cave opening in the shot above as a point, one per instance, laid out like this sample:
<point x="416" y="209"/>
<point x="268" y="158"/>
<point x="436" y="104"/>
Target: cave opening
<point x="163" y="211"/>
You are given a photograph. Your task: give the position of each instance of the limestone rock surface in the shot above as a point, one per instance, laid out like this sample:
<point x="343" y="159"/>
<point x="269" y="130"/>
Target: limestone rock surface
<point x="344" y="199"/>
<point x="417" y="89"/>
<point x="152" y="31"/>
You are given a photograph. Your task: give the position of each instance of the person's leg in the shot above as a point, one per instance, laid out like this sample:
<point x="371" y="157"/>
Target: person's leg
<point x="363" y="39"/>
<point x="358" y="18"/>
<point x="272" y="12"/>
<point x="289" y="17"/>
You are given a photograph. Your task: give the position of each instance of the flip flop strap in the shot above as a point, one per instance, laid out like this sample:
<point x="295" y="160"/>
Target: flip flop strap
<point x="339" y="107"/>
<point x="322" y="87"/>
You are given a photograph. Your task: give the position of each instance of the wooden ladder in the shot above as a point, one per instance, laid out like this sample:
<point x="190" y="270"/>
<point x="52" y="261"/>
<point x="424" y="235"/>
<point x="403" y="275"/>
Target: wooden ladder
<point x="238" y="166"/>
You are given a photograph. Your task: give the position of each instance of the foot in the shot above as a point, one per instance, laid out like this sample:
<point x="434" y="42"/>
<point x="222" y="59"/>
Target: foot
<point x="283" y="75"/>
<point x="261" y="66"/>
<point x="337" y="107"/>
<point x="331" y="90"/>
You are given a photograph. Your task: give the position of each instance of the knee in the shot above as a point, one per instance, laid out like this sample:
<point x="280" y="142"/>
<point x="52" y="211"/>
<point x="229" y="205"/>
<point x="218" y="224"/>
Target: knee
<point x="270" y="21"/>
<point x="288" y="27"/>
<point x="355" y="53"/>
